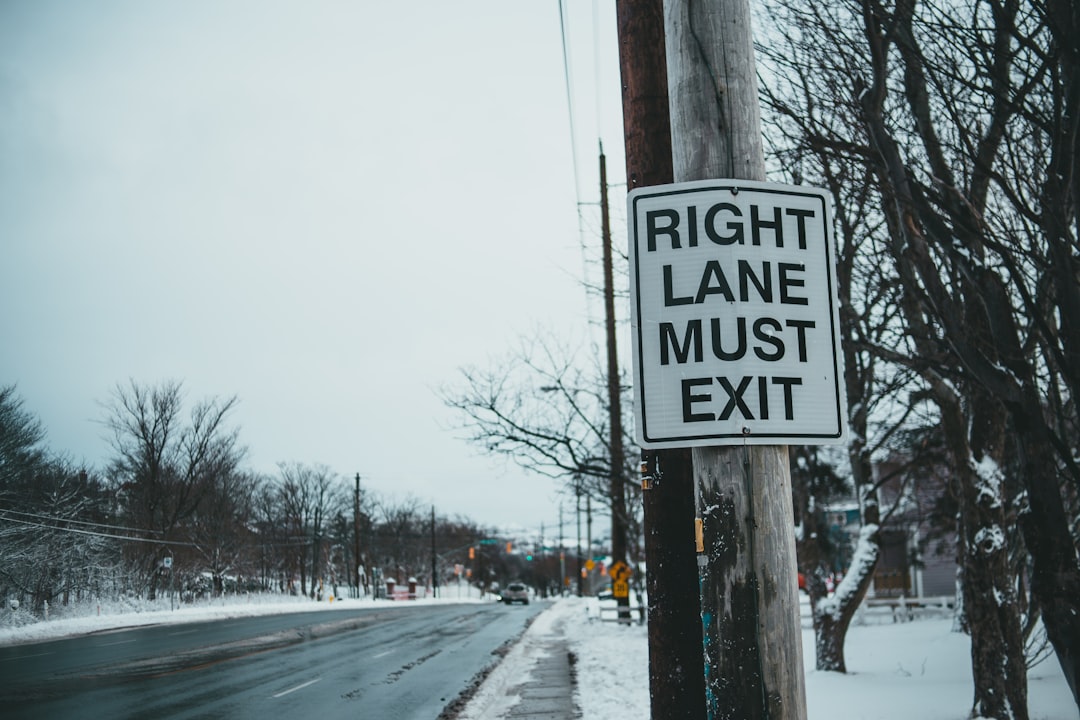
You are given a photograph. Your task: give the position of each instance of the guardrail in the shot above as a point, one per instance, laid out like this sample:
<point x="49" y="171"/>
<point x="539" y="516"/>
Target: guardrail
<point x="872" y="611"/>
<point x="905" y="609"/>
<point x="639" y="611"/>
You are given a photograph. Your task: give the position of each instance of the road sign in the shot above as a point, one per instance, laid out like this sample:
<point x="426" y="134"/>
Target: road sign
<point x="734" y="316"/>
<point x="620" y="571"/>
<point x="620" y="589"/>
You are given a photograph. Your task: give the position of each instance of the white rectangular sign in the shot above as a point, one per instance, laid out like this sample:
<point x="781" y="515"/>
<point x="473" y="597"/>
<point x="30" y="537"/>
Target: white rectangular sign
<point x="734" y="315"/>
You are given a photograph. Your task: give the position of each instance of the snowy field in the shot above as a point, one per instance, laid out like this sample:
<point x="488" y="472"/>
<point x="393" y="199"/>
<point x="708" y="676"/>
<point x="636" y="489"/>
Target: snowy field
<point x="917" y="670"/>
<point x="900" y="671"/>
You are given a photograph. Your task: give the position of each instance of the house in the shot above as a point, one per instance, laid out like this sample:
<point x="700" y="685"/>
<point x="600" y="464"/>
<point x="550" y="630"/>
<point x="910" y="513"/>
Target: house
<point x="918" y="533"/>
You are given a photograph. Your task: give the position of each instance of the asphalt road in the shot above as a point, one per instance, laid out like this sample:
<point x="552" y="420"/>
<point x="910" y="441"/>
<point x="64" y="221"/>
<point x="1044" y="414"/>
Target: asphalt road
<point x="395" y="663"/>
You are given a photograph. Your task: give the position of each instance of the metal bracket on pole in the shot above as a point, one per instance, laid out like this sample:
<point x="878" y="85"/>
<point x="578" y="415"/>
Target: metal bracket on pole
<point x="650" y="475"/>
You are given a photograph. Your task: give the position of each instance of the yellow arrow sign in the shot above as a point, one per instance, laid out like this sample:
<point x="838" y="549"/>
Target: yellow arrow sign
<point x="620" y="571"/>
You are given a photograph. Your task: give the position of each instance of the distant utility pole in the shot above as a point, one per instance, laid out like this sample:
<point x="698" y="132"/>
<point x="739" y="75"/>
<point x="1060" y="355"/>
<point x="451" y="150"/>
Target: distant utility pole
<point x="562" y="557"/>
<point x="588" y="527"/>
<point x="615" y="428"/>
<point x="749" y="590"/>
<point x="356" y="535"/>
<point x="434" y="567"/>
<point x="675" y="636"/>
<point x="580" y="582"/>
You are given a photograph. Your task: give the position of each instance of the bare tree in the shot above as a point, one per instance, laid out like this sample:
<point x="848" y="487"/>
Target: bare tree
<point x="309" y="495"/>
<point x="273" y="537"/>
<point x="21" y="437"/>
<point x="220" y="529"/>
<point x="402" y="542"/>
<point x="950" y="192"/>
<point x="164" y="467"/>
<point x="53" y="543"/>
<point x="809" y="141"/>
<point x="541" y="408"/>
<point x="967" y="119"/>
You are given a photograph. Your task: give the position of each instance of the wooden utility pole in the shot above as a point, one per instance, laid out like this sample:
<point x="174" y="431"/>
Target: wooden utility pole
<point x="580" y="575"/>
<point x="434" y="566"/>
<point x="356" y="535"/>
<point x="615" y="427"/>
<point x="749" y="587"/>
<point x="675" y="635"/>
<point x="562" y="558"/>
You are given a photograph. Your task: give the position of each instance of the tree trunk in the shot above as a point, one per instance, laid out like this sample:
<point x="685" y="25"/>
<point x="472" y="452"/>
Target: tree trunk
<point x="976" y="428"/>
<point x="151" y="590"/>
<point x="1055" y="580"/>
<point x="993" y="618"/>
<point x="832" y="615"/>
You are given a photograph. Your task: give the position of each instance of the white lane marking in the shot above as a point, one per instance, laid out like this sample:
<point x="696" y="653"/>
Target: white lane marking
<point x="298" y="687"/>
<point x="184" y="632"/>
<point x="118" y="642"/>
<point x="382" y="654"/>
<point x="23" y="657"/>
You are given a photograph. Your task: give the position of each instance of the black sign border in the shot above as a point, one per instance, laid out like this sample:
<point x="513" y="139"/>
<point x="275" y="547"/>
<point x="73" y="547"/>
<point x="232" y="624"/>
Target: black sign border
<point x="698" y="187"/>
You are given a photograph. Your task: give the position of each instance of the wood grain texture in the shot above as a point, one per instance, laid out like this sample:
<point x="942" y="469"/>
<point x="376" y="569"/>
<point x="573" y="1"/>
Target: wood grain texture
<point x="748" y="576"/>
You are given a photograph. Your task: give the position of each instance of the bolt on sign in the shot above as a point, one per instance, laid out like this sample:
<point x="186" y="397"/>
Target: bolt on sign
<point x="734" y="315"/>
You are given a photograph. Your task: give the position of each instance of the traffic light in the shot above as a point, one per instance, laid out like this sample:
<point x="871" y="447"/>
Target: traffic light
<point x="472" y="553"/>
<point x="509" y="548"/>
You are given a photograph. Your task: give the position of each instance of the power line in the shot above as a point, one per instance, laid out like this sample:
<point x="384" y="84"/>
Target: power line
<point x="51" y="518"/>
<point x="579" y="203"/>
<point x="569" y="100"/>
<point x="596" y="70"/>
<point x="77" y="531"/>
<point x="296" y="542"/>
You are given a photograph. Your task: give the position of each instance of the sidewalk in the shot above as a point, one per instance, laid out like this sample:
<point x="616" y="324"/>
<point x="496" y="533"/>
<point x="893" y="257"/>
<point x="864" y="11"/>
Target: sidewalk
<point x="548" y="692"/>
<point x="535" y="681"/>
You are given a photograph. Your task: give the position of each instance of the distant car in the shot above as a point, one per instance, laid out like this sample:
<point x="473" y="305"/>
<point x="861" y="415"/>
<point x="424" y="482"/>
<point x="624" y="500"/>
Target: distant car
<point x="515" y="592"/>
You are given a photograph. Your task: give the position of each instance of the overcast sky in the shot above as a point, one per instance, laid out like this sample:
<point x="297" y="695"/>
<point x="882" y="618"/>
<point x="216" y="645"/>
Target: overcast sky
<point x="323" y="208"/>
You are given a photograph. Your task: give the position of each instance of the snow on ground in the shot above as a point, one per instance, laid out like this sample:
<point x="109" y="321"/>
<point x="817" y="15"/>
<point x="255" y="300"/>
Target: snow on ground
<point x="496" y="696"/>
<point x="110" y="616"/>
<point x="898" y="671"/>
